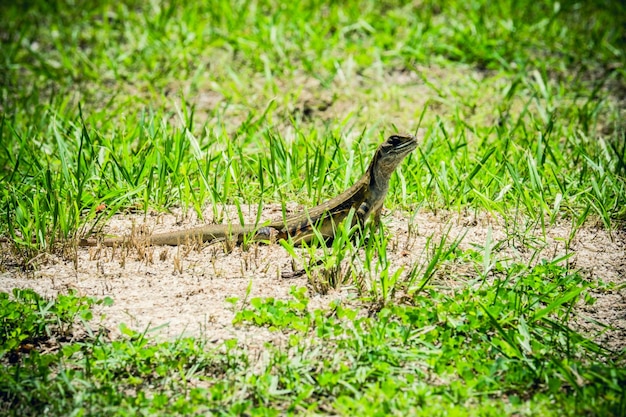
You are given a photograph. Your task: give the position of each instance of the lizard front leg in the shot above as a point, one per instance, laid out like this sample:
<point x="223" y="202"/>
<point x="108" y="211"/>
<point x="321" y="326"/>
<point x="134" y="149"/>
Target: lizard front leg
<point x="365" y="210"/>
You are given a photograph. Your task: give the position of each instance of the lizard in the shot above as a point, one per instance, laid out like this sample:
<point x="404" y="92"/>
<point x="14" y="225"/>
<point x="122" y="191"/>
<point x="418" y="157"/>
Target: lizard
<point x="365" y="197"/>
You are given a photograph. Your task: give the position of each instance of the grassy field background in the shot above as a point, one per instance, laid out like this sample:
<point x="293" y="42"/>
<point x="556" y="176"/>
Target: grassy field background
<point x="134" y="107"/>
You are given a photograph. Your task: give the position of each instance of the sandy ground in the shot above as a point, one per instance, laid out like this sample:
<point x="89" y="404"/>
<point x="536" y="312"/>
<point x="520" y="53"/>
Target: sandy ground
<point x="183" y="290"/>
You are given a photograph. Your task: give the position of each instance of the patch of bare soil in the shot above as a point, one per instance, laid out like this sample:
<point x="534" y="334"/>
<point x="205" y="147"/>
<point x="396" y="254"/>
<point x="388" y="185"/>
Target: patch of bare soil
<point x="183" y="290"/>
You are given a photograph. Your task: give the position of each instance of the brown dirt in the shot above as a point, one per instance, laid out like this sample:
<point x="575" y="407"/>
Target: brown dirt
<point x="183" y="290"/>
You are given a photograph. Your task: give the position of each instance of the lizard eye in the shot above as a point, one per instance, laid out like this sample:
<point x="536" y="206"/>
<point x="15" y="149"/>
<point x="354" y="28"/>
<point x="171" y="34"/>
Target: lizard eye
<point x="395" y="140"/>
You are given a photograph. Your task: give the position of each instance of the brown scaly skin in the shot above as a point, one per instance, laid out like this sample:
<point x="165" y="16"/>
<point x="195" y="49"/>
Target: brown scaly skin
<point x="366" y="197"/>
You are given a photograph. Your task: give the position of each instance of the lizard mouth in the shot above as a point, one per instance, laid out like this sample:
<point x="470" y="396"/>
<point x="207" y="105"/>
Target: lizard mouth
<point x="407" y="146"/>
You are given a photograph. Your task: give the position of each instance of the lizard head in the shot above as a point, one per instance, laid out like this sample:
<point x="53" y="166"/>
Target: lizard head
<point x="391" y="152"/>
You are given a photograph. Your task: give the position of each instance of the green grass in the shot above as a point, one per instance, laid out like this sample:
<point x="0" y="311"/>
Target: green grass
<point x="457" y="354"/>
<point x="142" y="106"/>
